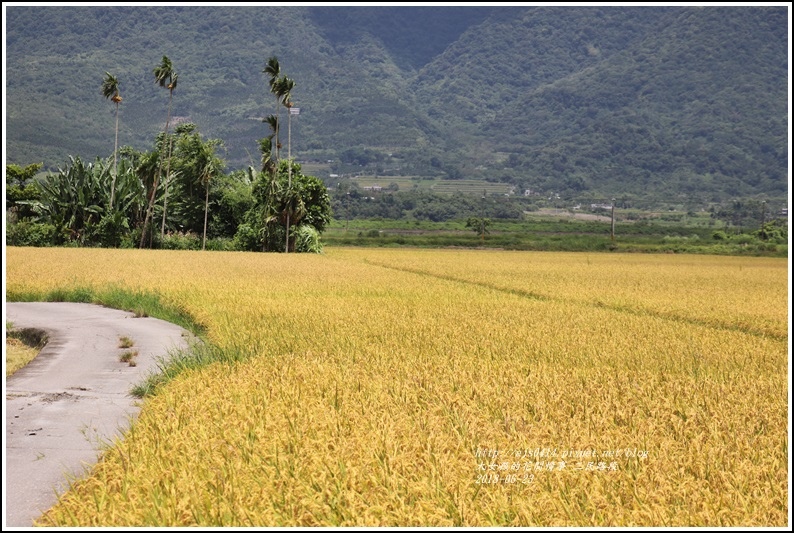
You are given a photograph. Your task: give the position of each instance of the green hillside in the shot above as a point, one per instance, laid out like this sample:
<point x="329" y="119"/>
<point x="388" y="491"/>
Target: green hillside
<point x="658" y="101"/>
<point x="684" y="112"/>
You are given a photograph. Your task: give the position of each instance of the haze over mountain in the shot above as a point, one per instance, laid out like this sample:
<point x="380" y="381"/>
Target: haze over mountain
<point x="669" y="101"/>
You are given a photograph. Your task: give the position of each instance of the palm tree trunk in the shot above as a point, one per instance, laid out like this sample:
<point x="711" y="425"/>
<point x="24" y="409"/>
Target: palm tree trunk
<point x="286" y="248"/>
<point x="278" y="120"/>
<point x="150" y="209"/>
<point x="168" y="170"/>
<point x="115" y="159"/>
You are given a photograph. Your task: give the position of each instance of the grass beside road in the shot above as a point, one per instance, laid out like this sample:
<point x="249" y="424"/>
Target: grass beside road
<point x="21" y="347"/>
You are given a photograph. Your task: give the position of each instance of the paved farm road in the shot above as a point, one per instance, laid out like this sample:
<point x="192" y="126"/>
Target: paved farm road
<point x="73" y="397"/>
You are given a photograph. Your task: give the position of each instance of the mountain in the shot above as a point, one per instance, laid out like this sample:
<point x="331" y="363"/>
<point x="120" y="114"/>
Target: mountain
<point x="675" y="102"/>
<point x="685" y="110"/>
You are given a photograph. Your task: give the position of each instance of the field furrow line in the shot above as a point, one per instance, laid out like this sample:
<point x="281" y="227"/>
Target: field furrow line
<point x="724" y="326"/>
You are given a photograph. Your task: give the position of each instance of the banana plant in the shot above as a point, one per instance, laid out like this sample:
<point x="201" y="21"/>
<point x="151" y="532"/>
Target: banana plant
<point x="76" y="200"/>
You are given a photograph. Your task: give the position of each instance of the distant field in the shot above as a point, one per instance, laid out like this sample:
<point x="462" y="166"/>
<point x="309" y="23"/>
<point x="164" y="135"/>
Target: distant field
<point x="567" y="213"/>
<point x="388" y="387"/>
<point x="315" y="169"/>
<point x="436" y="185"/>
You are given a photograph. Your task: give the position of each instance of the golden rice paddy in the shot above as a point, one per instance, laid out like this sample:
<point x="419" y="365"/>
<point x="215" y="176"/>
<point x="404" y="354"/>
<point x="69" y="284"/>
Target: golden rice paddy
<point x="445" y="388"/>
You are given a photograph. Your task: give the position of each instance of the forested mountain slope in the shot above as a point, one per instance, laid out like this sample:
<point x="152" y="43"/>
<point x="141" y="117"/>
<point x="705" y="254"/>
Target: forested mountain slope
<point x="577" y="100"/>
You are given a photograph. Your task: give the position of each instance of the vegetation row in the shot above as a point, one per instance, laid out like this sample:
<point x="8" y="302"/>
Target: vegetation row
<point x="162" y="198"/>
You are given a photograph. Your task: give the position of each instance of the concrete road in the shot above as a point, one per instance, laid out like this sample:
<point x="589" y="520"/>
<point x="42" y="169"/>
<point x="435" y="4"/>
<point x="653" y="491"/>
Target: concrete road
<point x="73" y="398"/>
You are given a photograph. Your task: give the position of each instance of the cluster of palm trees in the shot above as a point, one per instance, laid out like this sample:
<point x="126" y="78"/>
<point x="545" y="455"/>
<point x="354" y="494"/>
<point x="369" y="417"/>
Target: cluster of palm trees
<point x="106" y="203"/>
<point x="281" y="87"/>
<point x="280" y="206"/>
<point x="166" y="77"/>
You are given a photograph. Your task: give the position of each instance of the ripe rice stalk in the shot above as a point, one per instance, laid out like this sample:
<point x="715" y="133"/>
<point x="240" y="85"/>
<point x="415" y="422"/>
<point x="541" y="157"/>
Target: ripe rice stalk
<point x="434" y="387"/>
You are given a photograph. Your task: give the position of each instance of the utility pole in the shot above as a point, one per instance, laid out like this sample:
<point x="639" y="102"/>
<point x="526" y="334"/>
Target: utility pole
<point x="482" y="219"/>
<point x="292" y="111"/>
<point x="763" y="213"/>
<point x="613" y="219"/>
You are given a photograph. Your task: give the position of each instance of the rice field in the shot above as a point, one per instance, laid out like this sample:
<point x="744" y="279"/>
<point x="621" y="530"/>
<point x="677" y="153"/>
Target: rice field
<point x="449" y="388"/>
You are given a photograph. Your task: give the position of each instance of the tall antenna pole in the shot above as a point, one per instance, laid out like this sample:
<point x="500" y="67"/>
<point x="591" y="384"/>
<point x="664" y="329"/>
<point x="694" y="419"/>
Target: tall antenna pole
<point x="613" y="219"/>
<point x="292" y="111"/>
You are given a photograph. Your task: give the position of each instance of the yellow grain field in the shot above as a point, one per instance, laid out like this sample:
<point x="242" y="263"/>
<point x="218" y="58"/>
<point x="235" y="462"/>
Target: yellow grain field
<point x="449" y="388"/>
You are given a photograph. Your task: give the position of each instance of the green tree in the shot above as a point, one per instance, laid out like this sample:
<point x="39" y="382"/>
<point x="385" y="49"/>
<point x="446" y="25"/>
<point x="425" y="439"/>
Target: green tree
<point x="110" y="89"/>
<point x="774" y="231"/>
<point x="231" y="198"/>
<point x="146" y="166"/>
<point x="20" y="190"/>
<point x="307" y="204"/>
<point x="267" y="191"/>
<point x="479" y="225"/>
<point x="196" y="166"/>
<point x="316" y="201"/>
<point x="210" y="167"/>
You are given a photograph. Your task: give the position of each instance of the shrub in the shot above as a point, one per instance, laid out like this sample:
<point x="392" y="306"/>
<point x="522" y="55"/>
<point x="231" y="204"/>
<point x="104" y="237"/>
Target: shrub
<point x="221" y="244"/>
<point x="246" y="239"/>
<point x="743" y="238"/>
<point x="307" y="239"/>
<point x="133" y="239"/>
<point x="111" y="230"/>
<point x="30" y="234"/>
<point x="181" y="241"/>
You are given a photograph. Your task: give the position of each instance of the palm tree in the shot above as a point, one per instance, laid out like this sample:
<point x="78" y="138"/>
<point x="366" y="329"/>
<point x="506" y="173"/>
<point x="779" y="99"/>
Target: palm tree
<point x="273" y="71"/>
<point x="272" y="121"/>
<point x="171" y="86"/>
<point x="210" y="167"/>
<point x="149" y="172"/>
<point x="110" y="89"/>
<point x="284" y="92"/>
<point x="165" y="76"/>
<point x="271" y="192"/>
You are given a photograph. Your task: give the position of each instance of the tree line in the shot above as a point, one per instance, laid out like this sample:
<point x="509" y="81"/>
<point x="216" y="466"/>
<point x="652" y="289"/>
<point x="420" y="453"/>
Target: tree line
<point x="167" y="196"/>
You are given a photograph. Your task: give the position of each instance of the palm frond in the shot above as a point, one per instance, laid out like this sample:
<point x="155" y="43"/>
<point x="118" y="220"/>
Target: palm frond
<point x="110" y="87"/>
<point x="273" y="70"/>
<point x="163" y="72"/>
